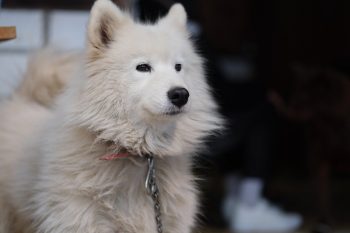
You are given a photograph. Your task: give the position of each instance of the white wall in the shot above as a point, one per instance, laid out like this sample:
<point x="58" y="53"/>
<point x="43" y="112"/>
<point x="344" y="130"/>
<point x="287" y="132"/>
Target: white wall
<point x="36" y="29"/>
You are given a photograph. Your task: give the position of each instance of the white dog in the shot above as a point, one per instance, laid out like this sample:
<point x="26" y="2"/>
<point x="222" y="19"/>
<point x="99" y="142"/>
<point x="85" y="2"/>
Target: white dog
<point x="80" y="165"/>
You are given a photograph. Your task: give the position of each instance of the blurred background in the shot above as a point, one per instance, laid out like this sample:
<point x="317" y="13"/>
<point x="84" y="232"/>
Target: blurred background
<point x="280" y="71"/>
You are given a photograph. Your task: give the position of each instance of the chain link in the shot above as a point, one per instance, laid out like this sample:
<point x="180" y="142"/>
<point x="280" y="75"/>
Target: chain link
<point x="153" y="191"/>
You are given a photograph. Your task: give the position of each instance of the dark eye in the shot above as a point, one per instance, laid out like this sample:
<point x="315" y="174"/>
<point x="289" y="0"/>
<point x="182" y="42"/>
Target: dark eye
<point x="144" y="67"/>
<point x="178" y="67"/>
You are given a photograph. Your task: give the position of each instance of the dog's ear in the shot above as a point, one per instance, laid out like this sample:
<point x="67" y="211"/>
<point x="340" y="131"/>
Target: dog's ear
<point x="176" y="16"/>
<point x="105" y="19"/>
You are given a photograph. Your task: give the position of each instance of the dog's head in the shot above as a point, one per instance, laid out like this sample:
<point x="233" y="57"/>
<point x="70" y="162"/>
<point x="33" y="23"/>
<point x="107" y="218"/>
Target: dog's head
<point x="144" y="85"/>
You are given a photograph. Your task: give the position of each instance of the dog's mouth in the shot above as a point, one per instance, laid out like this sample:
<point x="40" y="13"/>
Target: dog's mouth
<point x="167" y="113"/>
<point x="173" y="112"/>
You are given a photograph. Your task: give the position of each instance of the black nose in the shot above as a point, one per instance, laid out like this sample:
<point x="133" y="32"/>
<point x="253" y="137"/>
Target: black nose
<point x="178" y="96"/>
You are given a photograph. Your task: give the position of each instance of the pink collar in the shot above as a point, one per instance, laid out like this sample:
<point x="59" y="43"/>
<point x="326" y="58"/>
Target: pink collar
<point x="109" y="157"/>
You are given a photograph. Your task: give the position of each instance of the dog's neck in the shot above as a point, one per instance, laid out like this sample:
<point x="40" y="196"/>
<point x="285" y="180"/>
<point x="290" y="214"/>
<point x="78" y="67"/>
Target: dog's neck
<point x="150" y="182"/>
<point x="120" y="153"/>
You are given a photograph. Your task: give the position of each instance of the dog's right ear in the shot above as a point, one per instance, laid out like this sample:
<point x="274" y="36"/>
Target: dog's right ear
<point x="105" y="19"/>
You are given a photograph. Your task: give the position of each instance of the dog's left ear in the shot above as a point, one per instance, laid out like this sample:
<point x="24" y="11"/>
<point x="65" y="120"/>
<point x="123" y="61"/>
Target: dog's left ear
<point x="176" y="16"/>
<point x="105" y="20"/>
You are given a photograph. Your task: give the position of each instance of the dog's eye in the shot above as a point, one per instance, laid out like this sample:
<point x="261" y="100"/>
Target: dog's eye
<point x="178" y="67"/>
<point x="144" y="67"/>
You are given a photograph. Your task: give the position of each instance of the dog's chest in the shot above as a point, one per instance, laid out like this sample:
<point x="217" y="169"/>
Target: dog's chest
<point x="131" y="207"/>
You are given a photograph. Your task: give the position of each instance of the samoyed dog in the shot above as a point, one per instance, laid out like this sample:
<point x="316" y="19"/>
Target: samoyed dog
<point x="112" y="153"/>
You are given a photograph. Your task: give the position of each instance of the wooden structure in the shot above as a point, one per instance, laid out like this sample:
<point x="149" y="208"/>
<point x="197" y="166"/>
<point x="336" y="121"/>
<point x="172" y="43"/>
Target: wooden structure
<point x="7" y="33"/>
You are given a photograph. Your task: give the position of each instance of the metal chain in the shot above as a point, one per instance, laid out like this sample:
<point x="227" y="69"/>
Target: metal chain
<point x="153" y="191"/>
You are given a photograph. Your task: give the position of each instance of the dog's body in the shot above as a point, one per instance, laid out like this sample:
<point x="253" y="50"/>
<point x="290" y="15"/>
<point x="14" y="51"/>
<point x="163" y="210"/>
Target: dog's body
<point x="121" y="99"/>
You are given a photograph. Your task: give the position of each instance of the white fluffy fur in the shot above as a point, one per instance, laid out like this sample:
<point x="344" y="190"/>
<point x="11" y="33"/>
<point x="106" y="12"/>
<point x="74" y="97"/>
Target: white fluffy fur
<point x="51" y="178"/>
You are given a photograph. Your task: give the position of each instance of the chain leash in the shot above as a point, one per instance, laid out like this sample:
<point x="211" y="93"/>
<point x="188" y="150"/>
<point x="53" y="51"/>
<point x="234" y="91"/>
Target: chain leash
<point x="153" y="191"/>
